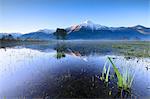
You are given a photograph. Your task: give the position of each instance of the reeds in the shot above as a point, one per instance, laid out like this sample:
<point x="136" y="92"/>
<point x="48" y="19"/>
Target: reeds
<point x="119" y="76"/>
<point x="105" y="73"/>
<point x="125" y="79"/>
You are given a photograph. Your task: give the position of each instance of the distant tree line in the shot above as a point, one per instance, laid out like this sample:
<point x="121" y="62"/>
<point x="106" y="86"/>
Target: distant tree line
<point x="8" y="37"/>
<point x="60" y="34"/>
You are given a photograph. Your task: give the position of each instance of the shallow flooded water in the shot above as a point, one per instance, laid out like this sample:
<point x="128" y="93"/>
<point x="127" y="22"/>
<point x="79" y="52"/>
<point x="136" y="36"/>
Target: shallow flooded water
<point x="70" y="69"/>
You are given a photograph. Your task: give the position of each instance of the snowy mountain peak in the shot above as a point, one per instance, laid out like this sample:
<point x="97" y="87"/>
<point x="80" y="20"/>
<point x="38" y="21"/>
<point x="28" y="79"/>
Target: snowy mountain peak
<point x="89" y="25"/>
<point x="93" y="26"/>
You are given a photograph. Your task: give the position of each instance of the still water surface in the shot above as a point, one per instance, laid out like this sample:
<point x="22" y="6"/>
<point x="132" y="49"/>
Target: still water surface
<point x="34" y="71"/>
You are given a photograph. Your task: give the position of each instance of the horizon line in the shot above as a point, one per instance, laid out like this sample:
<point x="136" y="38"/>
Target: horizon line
<point x="72" y="25"/>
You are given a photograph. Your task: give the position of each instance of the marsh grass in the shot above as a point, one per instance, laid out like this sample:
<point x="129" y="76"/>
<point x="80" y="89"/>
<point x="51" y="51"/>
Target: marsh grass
<point x="105" y="73"/>
<point x="133" y="49"/>
<point x="120" y="80"/>
<point x="125" y="79"/>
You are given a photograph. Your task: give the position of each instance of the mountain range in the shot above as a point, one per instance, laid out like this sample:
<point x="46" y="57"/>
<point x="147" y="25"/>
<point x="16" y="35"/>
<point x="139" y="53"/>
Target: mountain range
<point x="89" y="31"/>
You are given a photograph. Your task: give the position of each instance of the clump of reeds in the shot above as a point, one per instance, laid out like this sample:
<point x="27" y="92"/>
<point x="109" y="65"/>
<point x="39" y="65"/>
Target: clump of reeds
<point x="125" y="79"/>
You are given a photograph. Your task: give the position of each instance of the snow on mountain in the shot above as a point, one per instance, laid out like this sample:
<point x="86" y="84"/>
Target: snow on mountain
<point x="90" y="30"/>
<point x="88" y="25"/>
<point x="92" y="25"/>
<point x="142" y="29"/>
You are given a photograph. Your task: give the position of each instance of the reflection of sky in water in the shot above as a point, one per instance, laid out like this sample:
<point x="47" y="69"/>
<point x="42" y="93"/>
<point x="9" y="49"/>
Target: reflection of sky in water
<point x="20" y="68"/>
<point x="16" y="66"/>
<point x="141" y="83"/>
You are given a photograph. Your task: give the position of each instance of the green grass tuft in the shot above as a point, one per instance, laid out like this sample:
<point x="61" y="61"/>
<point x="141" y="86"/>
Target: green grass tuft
<point x="125" y="78"/>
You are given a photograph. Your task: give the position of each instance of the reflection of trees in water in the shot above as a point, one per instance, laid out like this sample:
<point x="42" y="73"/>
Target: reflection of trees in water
<point x="85" y="49"/>
<point x="60" y="48"/>
<point x="60" y="55"/>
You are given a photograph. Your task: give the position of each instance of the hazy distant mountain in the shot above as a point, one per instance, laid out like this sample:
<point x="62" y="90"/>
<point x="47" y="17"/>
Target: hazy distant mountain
<point x="89" y="30"/>
<point x="37" y="36"/>
<point x="44" y="34"/>
<point x="48" y="31"/>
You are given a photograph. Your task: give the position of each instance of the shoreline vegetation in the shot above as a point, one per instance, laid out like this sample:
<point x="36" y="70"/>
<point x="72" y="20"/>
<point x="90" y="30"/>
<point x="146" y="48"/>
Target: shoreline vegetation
<point x="121" y="81"/>
<point x="119" y="47"/>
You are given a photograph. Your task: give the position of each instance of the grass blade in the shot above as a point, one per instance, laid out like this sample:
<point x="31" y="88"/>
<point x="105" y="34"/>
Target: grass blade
<point x="120" y="78"/>
<point x="107" y="74"/>
<point x="104" y="71"/>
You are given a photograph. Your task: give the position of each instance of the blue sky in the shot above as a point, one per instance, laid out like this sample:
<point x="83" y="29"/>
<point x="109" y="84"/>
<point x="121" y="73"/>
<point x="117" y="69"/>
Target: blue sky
<point x="31" y="15"/>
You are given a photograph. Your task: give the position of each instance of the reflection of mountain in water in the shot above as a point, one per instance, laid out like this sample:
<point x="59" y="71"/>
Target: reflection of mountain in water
<point x="84" y="48"/>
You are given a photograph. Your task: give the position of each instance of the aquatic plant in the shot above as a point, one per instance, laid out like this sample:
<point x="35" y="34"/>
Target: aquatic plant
<point x="133" y="49"/>
<point x="105" y="73"/>
<point x="119" y="76"/>
<point x="125" y="78"/>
